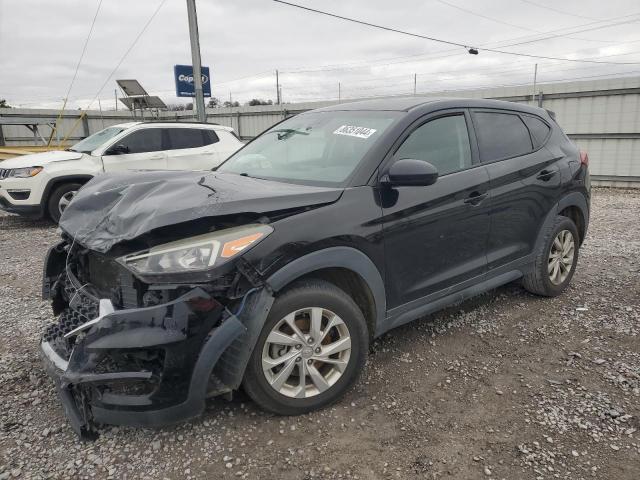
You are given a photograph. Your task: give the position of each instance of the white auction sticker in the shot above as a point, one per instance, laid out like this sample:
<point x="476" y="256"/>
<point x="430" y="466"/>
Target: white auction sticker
<point x="353" y="131"/>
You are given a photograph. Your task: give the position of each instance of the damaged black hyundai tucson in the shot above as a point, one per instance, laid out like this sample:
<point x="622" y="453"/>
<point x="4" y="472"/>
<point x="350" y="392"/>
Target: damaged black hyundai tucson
<point x="276" y="271"/>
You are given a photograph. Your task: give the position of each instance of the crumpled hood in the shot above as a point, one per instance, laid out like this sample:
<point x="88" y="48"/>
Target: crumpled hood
<point x="122" y="206"/>
<point x="40" y="159"/>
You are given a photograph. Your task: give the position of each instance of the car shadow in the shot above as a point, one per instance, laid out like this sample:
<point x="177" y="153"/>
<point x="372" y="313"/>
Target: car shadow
<point x="403" y="336"/>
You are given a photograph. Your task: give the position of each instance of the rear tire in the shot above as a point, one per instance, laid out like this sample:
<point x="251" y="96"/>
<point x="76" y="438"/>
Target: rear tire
<point x="556" y="260"/>
<point x="338" y="322"/>
<point x="60" y="198"/>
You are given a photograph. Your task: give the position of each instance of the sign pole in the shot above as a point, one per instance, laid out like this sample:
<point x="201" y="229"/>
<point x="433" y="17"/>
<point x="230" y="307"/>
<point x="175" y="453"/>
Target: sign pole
<point x="196" y="61"/>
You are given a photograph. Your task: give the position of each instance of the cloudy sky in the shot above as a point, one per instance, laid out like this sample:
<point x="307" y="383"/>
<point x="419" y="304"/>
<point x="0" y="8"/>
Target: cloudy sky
<point x="244" y="41"/>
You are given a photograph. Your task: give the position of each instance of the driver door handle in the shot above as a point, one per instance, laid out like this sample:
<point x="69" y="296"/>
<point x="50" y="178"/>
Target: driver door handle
<point x="475" y="198"/>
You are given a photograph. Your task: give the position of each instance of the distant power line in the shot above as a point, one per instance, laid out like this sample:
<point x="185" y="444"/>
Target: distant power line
<point x="84" y="49"/>
<point x="557" y="10"/>
<point x="75" y="73"/>
<point x="468" y="47"/>
<point x="126" y="53"/>
<point x="513" y="25"/>
<point x="520" y="40"/>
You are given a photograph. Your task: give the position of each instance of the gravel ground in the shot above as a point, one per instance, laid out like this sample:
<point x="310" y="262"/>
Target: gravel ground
<point x="507" y="385"/>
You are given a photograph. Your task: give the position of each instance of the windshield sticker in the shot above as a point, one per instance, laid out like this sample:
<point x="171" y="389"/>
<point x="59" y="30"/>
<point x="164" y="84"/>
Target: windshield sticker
<point x="353" y="131"/>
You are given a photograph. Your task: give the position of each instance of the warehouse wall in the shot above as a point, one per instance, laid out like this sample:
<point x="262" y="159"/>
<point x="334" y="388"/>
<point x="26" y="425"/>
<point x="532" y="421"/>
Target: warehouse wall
<point x="601" y="116"/>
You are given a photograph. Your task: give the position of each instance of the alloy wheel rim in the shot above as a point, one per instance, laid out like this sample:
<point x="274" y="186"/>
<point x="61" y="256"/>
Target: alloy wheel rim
<point x="561" y="257"/>
<point x="306" y="352"/>
<point x="65" y="200"/>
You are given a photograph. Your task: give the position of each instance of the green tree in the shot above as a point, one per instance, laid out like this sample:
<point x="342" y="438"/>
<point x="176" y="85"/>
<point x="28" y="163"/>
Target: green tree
<point x="259" y="101"/>
<point x="3" y="103"/>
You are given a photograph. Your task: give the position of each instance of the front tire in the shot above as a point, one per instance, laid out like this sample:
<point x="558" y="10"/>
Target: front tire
<point x="60" y="199"/>
<point x="556" y="260"/>
<point x="311" y="349"/>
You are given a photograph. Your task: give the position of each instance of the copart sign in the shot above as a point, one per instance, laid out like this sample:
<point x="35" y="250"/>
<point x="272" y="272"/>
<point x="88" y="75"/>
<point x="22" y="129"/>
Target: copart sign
<point x="184" y="81"/>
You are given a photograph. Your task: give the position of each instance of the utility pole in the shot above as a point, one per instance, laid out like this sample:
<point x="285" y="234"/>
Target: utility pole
<point x="101" y="117"/>
<point x="415" y="82"/>
<point x="196" y="61"/>
<point x="277" y="88"/>
<point x="535" y="79"/>
<point x="115" y="94"/>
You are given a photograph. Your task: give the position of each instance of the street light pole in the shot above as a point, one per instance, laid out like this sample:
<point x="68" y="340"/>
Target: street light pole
<point x="196" y="60"/>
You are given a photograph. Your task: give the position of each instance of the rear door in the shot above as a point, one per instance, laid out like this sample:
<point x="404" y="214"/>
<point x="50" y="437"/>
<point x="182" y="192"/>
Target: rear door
<point x="144" y="149"/>
<point x="525" y="180"/>
<point x="436" y="236"/>
<point x="229" y="143"/>
<point x="192" y="148"/>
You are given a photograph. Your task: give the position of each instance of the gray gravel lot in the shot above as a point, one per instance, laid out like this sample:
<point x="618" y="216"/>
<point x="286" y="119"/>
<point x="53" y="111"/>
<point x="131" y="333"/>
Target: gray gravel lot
<point x="507" y="385"/>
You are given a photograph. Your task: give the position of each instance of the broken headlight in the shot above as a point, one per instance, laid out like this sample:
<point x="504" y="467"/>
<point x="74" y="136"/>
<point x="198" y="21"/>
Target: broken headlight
<point x="197" y="253"/>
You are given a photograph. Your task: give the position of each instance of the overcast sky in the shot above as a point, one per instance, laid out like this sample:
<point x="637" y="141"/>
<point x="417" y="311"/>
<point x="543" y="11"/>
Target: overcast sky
<point x="41" y="42"/>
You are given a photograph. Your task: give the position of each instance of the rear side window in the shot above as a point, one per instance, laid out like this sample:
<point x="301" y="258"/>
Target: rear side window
<point x="443" y="142"/>
<point x="501" y="135"/>
<point x="539" y="130"/>
<point x="142" y="141"/>
<point x="179" y="138"/>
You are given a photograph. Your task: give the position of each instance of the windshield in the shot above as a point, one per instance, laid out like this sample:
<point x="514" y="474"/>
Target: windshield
<point x="316" y="148"/>
<point x="96" y="140"/>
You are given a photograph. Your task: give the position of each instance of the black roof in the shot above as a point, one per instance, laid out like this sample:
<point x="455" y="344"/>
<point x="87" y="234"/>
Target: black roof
<point x="405" y="104"/>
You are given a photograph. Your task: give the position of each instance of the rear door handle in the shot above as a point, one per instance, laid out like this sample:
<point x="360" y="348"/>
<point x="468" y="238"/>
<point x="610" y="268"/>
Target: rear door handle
<point x="475" y="198"/>
<point x="546" y="174"/>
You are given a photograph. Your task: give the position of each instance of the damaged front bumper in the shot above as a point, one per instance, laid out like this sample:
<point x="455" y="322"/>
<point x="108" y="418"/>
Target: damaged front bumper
<point x="181" y="345"/>
<point x="146" y="366"/>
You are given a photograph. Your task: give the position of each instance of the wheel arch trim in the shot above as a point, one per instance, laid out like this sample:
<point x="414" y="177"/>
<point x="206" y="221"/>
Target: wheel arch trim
<point x="336" y="257"/>
<point x="578" y="200"/>
<point x="55" y="181"/>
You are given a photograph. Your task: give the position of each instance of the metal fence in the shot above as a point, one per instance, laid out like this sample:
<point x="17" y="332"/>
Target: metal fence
<point x="601" y="116"/>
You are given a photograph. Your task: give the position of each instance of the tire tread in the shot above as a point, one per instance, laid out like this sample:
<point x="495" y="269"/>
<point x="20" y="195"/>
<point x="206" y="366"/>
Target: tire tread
<point x="536" y="281"/>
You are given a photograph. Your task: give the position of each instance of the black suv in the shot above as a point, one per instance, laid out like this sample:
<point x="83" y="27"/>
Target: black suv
<point x="276" y="271"/>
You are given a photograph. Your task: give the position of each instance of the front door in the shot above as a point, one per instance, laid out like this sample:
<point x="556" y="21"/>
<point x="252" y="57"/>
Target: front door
<point x="140" y="150"/>
<point x="435" y="236"/>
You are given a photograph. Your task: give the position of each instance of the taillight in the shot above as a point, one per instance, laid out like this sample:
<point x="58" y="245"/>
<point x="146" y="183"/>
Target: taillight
<point x="584" y="158"/>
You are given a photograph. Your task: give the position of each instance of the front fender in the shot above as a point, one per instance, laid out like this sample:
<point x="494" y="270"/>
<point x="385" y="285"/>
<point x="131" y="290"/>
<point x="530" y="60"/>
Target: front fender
<point x="336" y="257"/>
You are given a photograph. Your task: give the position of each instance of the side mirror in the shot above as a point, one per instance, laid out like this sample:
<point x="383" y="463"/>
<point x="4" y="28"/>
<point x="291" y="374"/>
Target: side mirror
<point x="408" y="172"/>
<point x="118" y="149"/>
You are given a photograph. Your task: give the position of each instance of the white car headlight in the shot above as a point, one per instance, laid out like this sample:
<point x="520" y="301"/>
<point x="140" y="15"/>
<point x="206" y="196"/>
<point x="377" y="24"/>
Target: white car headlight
<point x="197" y="253"/>
<point x="24" y="172"/>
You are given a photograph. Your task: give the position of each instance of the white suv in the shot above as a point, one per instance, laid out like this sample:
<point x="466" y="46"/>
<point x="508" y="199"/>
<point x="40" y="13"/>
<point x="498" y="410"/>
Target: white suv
<point x="44" y="183"/>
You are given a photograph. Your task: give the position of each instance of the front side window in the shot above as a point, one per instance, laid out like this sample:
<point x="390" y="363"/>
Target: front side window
<point x="315" y="148"/>
<point x="142" y="141"/>
<point x="501" y="135"/>
<point x="96" y="140"/>
<point x="443" y="142"/>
